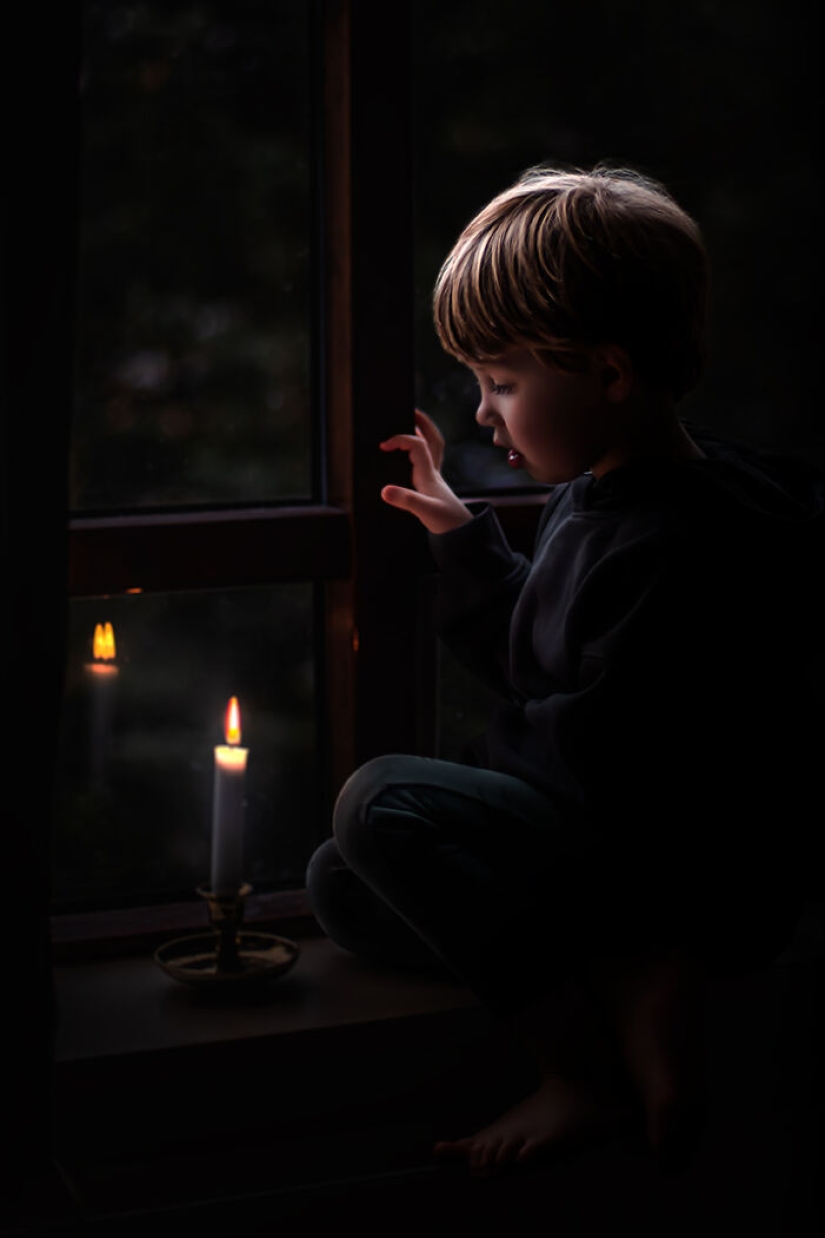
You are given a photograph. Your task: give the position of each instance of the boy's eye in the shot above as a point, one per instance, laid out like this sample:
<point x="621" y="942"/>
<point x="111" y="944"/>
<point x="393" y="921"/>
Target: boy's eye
<point x="500" y="388"/>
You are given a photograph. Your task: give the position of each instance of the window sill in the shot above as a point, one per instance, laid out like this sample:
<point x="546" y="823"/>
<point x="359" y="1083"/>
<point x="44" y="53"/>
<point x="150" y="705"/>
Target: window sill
<point x="146" y="1067"/>
<point x="85" y="936"/>
<point x="338" y="1074"/>
<point x="129" y="1006"/>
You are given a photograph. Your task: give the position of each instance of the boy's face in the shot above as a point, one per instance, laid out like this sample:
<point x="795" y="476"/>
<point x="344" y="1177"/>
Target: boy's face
<point x="553" y="423"/>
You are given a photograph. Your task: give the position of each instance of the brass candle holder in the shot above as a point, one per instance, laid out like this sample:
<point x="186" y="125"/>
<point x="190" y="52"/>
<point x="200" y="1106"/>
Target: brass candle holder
<point x="226" y="956"/>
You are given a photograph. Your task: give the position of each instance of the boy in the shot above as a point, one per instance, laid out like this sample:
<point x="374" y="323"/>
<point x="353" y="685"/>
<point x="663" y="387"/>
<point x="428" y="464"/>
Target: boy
<point x="618" y="840"/>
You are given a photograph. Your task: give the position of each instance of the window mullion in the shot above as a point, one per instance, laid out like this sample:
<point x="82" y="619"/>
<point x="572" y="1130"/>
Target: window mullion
<point x="389" y="546"/>
<point x="207" y="550"/>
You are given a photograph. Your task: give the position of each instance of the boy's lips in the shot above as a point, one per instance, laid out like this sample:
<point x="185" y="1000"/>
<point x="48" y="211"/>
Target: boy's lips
<point x="514" y="458"/>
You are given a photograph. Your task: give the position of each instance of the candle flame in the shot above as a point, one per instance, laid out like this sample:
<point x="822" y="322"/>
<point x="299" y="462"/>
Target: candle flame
<point x="232" y="723"/>
<point x="103" y="644"/>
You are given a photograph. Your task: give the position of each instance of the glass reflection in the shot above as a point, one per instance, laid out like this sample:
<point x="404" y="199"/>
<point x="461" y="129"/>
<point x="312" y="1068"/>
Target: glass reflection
<point x="137" y="749"/>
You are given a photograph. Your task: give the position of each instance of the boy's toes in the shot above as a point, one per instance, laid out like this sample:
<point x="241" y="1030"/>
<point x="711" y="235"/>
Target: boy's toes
<point x="508" y="1151"/>
<point x="483" y="1157"/>
<point x="527" y="1151"/>
<point x="453" y="1149"/>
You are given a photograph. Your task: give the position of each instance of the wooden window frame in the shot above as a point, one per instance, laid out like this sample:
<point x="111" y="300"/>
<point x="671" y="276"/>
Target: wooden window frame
<point x="379" y="651"/>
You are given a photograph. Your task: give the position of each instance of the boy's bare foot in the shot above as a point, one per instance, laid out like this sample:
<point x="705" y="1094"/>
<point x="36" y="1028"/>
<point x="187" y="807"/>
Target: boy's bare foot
<point x="583" y="1093"/>
<point x="560" y="1115"/>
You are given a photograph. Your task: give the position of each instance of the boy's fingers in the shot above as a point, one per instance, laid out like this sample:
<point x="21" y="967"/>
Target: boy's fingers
<point x="426" y="424"/>
<point x="429" y="431"/>
<point x="418" y="450"/>
<point x="405" y="442"/>
<point x="408" y="500"/>
<point x="431" y="512"/>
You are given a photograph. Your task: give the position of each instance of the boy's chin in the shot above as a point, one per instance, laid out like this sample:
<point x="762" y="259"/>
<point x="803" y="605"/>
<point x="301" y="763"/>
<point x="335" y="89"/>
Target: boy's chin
<point x="546" y="477"/>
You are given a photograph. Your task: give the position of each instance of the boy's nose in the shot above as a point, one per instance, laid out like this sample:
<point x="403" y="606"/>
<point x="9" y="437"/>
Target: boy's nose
<point x="484" y="414"/>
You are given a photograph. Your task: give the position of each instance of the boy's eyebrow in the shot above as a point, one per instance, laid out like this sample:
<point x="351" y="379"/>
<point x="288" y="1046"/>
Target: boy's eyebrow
<point x="495" y="363"/>
<point x="491" y="367"/>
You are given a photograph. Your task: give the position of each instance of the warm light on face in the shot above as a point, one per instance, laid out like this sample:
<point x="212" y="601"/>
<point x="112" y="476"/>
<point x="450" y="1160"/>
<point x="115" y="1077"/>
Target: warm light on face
<point x="103" y="644"/>
<point x="232" y="723"/>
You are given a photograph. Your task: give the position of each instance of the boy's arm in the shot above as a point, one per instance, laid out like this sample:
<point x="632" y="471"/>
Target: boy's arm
<point x="481" y="577"/>
<point x="480" y="581"/>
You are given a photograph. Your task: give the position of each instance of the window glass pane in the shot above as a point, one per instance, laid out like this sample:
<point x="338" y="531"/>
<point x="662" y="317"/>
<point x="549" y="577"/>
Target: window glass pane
<point x="696" y="95"/>
<point x="137" y="759"/>
<point x="193" y="357"/>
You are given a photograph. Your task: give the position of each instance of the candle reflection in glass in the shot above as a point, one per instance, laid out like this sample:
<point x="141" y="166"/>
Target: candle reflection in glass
<point x="101" y="673"/>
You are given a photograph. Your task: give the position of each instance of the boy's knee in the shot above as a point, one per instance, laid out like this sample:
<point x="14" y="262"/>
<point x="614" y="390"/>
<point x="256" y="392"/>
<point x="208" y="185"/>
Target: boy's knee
<point x="334" y="895"/>
<point x="324" y="860"/>
<point x="321" y="875"/>
<point x="351" y="824"/>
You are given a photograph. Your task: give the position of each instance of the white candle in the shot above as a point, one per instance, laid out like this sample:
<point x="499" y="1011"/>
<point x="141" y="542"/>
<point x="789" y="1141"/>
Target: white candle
<point x="102" y="674"/>
<point x="228" y="807"/>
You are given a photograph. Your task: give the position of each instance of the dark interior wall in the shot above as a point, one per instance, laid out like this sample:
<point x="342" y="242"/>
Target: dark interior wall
<point x="720" y="101"/>
<point x="35" y="386"/>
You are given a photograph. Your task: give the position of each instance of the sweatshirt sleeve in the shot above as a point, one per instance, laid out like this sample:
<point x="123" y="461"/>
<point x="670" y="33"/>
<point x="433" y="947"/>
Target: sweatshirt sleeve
<point x="480" y="581"/>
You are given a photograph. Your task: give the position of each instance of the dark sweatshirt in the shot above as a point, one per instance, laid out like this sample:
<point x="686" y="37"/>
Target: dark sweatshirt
<point x="656" y="660"/>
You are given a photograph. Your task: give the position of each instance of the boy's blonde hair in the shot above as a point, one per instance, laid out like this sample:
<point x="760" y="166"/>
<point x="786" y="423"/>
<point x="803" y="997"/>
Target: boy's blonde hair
<point x="563" y="261"/>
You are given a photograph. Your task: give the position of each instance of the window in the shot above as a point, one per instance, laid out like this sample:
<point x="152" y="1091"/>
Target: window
<point x="194" y="351"/>
<point x="285" y="586"/>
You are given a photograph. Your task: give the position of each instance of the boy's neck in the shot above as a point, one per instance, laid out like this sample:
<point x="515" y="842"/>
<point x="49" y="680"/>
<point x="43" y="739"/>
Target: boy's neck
<point x="652" y="431"/>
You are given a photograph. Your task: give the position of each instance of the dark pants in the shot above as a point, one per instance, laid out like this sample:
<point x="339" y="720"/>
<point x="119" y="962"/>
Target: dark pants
<point x="436" y="866"/>
<point x="441" y="867"/>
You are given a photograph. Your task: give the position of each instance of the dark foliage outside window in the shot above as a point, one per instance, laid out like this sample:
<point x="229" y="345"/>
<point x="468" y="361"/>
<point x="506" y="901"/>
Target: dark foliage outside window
<point x="193" y="326"/>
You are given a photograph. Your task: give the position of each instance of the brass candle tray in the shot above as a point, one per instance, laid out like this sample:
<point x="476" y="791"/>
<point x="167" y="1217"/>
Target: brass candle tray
<point x="226" y="956"/>
<point x="257" y="957"/>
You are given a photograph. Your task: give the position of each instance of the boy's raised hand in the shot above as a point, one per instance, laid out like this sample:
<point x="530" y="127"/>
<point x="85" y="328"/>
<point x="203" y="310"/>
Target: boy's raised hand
<point x="432" y="436"/>
<point x="431" y="499"/>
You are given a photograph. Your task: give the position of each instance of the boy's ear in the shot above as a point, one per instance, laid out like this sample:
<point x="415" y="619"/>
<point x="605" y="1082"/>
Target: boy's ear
<point x="616" y="371"/>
